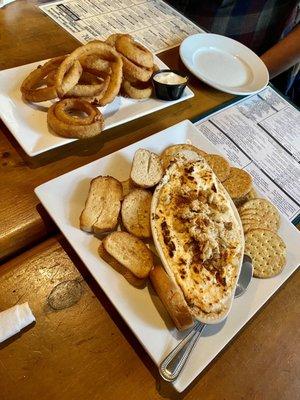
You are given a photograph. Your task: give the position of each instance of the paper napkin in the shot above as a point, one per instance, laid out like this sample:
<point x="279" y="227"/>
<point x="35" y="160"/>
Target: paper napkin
<point x="14" y="319"/>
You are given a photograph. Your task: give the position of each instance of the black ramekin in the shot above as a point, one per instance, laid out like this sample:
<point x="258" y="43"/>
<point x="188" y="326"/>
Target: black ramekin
<point x="166" y="91"/>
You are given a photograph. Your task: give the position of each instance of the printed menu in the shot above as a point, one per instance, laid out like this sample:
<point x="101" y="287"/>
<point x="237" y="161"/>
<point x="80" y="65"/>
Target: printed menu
<point x="153" y="23"/>
<point x="261" y="134"/>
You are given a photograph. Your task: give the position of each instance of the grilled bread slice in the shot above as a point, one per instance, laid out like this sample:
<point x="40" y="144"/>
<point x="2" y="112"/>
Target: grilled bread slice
<point x="172" y="298"/>
<point x="128" y="275"/>
<point x="127" y="187"/>
<point x="136" y="213"/>
<point x="146" y="170"/>
<point x="129" y="251"/>
<point x="102" y="206"/>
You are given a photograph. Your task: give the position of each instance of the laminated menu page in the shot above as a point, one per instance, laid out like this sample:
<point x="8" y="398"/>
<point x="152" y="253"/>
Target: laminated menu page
<point x="261" y="134"/>
<point x="153" y="23"/>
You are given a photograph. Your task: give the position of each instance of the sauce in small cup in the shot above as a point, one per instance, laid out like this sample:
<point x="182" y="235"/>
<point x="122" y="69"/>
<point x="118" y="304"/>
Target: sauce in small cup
<point x="169" y="84"/>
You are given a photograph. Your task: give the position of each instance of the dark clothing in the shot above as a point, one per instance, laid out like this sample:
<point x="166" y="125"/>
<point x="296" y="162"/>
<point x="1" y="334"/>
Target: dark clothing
<point x="259" y="24"/>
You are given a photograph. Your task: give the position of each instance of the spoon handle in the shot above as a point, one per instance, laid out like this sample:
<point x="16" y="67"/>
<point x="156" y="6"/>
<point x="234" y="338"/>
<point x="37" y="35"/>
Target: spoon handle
<point x="172" y="365"/>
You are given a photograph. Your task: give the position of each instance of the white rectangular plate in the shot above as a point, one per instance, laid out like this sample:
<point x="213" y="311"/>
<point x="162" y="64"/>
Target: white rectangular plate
<point x="28" y="121"/>
<point x="64" y="199"/>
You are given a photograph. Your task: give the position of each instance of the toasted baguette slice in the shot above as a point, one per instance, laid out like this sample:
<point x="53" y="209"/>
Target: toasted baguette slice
<point x="172" y="298"/>
<point x="171" y="151"/>
<point x="127" y="186"/>
<point x="102" y="206"/>
<point x="146" y="170"/>
<point x="128" y="275"/>
<point x="136" y="213"/>
<point x="130" y="251"/>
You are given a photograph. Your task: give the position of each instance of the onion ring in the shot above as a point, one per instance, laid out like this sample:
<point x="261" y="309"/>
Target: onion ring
<point x="111" y="40"/>
<point x="115" y="82"/>
<point x="94" y="62"/>
<point x="103" y="51"/>
<point x="69" y="126"/>
<point x="94" y="88"/>
<point x="71" y="77"/>
<point x="88" y="78"/>
<point x="137" y="90"/>
<point x="131" y="79"/>
<point x="50" y="78"/>
<point x="62" y="107"/>
<point x="155" y="68"/>
<point x="134" y="51"/>
<point x="133" y="71"/>
<point x="29" y="87"/>
<point x="89" y="90"/>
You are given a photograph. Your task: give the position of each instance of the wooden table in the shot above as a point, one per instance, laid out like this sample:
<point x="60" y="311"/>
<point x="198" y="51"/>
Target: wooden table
<point x="86" y="351"/>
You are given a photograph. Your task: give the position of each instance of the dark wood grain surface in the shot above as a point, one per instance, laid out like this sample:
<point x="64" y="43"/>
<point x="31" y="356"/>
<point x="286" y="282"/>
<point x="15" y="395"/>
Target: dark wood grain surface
<point x="27" y="35"/>
<point x="79" y="348"/>
<point x="86" y="352"/>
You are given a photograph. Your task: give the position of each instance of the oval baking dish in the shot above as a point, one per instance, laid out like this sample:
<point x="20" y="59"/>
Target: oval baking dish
<point x="166" y="253"/>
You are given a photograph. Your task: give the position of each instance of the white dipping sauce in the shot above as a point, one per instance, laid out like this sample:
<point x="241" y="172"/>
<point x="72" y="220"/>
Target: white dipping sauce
<point x="170" y="78"/>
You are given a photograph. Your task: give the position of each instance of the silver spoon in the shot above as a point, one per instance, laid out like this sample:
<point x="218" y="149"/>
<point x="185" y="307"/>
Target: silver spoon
<point x="172" y="365"/>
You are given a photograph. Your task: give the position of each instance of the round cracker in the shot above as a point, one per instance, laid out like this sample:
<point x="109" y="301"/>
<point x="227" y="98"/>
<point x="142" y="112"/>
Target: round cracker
<point x="254" y="224"/>
<point x="238" y="184"/>
<point x="262" y="206"/>
<point x="266" y="221"/>
<point x="260" y="210"/>
<point x="267" y="250"/>
<point x="171" y="151"/>
<point x="219" y="165"/>
<point x="246" y="228"/>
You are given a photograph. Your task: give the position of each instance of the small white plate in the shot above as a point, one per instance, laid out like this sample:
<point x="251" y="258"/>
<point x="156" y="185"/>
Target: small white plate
<point x="64" y="199"/>
<point x="224" y="63"/>
<point x="28" y="122"/>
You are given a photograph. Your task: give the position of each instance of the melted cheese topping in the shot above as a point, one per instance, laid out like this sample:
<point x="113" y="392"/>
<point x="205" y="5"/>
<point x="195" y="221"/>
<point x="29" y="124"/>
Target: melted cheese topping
<point x="199" y="235"/>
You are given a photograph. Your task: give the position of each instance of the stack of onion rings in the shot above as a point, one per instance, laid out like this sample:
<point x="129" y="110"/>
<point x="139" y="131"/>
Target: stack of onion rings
<point x="92" y="74"/>
<point x="64" y="124"/>
<point x="103" y="51"/>
<point x="138" y="66"/>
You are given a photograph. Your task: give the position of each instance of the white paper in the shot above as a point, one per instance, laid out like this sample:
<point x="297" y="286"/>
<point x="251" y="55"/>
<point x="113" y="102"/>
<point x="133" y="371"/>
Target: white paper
<point x="262" y="135"/>
<point x="13" y="320"/>
<point x="153" y="23"/>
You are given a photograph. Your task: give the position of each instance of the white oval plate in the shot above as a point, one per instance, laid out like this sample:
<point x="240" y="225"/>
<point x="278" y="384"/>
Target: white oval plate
<point x="208" y="319"/>
<point x="224" y="63"/>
